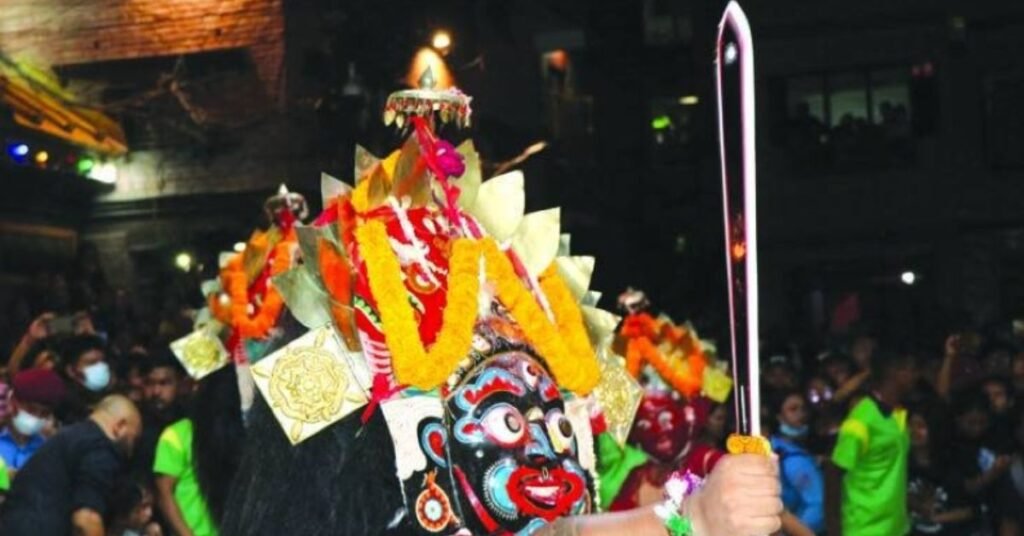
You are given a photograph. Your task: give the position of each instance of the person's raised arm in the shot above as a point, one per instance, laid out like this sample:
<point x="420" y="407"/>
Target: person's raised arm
<point x="38" y="330"/>
<point x="944" y="383"/>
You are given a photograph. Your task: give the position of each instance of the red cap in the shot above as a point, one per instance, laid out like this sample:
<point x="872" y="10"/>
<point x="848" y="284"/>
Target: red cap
<point x="38" y="386"/>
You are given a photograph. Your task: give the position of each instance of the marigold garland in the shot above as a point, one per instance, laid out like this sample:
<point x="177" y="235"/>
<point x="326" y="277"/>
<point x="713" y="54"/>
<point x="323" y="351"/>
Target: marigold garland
<point x="236" y="283"/>
<point x="577" y="373"/>
<point x="687" y="380"/>
<point x="571" y="325"/>
<point x="563" y="344"/>
<point x="336" y="274"/>
<point x="221" y="312"/>
<point x="411" y="362"/>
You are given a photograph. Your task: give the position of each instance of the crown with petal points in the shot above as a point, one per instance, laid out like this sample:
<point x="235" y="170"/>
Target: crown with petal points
<point x="405" y="263"/>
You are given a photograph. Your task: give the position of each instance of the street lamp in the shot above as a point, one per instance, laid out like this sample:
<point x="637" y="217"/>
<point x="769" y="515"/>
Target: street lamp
<point x="908" y="277"/>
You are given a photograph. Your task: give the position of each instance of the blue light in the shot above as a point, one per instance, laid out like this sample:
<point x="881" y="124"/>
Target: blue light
<point x="17" y="150"/>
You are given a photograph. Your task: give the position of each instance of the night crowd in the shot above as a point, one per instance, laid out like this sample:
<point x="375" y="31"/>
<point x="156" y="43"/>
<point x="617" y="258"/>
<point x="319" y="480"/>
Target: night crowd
<point x="103" y="432"/>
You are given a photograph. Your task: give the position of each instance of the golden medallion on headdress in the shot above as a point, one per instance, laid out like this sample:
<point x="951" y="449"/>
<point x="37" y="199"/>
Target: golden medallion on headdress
<point x="310" y="384"/>
<point x="619" y="396"/>
<point x="200" y="352"/>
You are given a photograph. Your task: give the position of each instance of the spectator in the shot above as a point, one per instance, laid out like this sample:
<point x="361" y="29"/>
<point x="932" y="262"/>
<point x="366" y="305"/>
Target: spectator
<point x="196" y="457"/>
<point x="130" y="376"/>
<point x="87" y="374"/>
<point x="938" y="502"/>
<point x="1010" y="496"/>
<point x="803" y="487"/>
<point x="862" y="351"/>
<point x="36" y="393"/>
<point x="165" y="381"/>
<point x="985" y="469"/>
<point x="5" y="480"/>
<point x="1017" y="373"/>
<point x="132" y="510"/>
<point x="779" y="373"/>
<point x="820" y="391"/>
<point x="837" y="368"/>
<point x="64" y="488"/>
<point x="847" y="374"/>
<point x="1002" y="406"/>
<point x="868" y="474"/>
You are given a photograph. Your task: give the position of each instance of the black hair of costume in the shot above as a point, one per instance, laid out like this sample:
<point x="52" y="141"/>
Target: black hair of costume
<point x="217" y="437"/>
<point x="331" y="484"/>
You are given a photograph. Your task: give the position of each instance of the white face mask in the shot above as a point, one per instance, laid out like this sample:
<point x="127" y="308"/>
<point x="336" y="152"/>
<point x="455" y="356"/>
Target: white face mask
<point x="27" y="424"/>
<point x="97" y="376"/>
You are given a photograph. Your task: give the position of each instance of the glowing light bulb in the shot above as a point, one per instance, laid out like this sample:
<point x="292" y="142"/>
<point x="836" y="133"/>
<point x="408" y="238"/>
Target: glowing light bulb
<point x="183" y="261"/>
<point x="17" y="150"/>
<point x="442" y="40"/>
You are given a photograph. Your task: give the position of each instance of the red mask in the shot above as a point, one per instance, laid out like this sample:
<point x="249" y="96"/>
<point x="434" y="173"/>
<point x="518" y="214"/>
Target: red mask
<point x="665" y="427"/>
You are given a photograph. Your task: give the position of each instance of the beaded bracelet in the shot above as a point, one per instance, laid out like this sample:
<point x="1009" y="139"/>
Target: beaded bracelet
<point x="678" y="487"/>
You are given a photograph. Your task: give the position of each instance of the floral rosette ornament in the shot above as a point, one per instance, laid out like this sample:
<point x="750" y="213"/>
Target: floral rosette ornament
<point x="474" y="327"/>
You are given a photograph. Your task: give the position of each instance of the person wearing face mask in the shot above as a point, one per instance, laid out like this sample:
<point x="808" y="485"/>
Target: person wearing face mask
<point x="803" y="486"/>
<point x="34" y="396"/>
<point x="64" y="488"/>
<point x="86" y="374"/>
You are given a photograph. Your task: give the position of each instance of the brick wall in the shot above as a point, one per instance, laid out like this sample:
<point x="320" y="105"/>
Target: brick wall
<point x="61" y="32"/>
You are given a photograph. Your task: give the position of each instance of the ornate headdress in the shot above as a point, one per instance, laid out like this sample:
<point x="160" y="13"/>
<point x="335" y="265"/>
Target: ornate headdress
<point x="243" y="306"/>
<point x="431" y="296"/>
<point x="675" y="367"/>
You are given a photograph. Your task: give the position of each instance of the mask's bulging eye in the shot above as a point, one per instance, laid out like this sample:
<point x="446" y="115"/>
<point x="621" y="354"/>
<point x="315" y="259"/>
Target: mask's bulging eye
<point x="504" y="425"/>
<point x="560" y="431"/>
<point x="665" y="420"/>
<point x="531" y="374"/>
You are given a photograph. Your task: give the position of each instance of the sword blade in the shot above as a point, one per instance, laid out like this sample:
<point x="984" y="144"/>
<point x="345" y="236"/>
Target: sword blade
<point x="735" y="83"/>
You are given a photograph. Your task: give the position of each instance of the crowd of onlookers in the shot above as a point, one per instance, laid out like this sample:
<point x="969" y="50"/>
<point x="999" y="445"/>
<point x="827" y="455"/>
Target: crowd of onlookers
<point x="111" y="438"/>
<point x="880" y="440"/>
<point x="102" y="432"/>
<point x="872" y="438"/>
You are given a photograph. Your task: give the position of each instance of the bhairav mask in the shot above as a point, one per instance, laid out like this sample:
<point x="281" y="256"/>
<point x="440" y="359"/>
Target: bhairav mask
<point x="464" y="321"/>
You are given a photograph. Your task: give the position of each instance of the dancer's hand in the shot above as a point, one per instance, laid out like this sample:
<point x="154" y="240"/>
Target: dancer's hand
<point x="742" y="497"/>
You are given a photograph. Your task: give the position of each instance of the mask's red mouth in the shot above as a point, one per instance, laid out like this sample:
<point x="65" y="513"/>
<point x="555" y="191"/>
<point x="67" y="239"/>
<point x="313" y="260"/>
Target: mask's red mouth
<point x="545" y="493"/>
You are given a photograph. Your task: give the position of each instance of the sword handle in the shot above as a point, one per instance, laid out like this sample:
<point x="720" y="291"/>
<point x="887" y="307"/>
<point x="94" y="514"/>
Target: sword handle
<point x="744" y="444"/>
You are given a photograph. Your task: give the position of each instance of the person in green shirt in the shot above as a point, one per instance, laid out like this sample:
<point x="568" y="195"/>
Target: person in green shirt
<point x="5" y="478"/>
<point x="868" y="473"/>
<point x="196" y="458"/>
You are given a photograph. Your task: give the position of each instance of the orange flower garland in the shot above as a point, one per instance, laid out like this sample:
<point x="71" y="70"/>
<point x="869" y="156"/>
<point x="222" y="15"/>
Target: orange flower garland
<point x="564" y="345"/>
<point x="685" y="380"/>
<point x="236" y="283"/>
<point x="640" y="349"/>
<point x="336" y="274"/>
